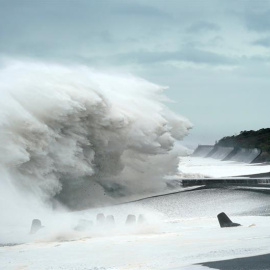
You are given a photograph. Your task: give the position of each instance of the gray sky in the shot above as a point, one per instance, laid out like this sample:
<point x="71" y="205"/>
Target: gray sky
<point x="213" y="54"/>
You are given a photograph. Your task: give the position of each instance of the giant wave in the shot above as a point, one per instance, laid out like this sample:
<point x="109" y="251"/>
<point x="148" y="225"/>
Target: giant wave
<point x="74" y="135"/>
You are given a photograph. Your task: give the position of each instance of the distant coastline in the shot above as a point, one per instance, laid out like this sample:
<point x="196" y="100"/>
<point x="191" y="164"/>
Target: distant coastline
<point x="250" y="139"/>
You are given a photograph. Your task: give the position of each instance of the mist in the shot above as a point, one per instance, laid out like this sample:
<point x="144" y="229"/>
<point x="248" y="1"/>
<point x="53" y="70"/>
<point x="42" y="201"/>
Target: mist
<point x="73" y="137"/>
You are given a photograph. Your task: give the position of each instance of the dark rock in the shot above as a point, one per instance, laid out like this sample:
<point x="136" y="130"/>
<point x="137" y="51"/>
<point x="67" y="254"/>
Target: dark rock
<point x="36" y="225"/>
<point x="131" y="219"/>
<point x="141" y="219"/>
<point x="100" y="219"/>
<point x="110" y="220"/>
<point x="224" y="221"/>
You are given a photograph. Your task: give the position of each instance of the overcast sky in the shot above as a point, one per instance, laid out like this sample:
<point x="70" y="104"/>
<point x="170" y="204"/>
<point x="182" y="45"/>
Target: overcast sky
<point x="213" y="54"/>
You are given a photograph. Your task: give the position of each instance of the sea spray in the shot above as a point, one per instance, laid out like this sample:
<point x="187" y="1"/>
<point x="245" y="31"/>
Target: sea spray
<point x="80" y="137"/>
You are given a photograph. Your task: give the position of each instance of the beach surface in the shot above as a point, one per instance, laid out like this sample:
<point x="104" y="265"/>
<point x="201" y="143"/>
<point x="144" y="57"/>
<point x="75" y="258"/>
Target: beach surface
<point x="181" y="232"/>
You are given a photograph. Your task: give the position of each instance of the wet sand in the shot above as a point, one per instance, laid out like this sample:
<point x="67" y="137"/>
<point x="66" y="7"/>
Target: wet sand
<point x="261" y="262"/>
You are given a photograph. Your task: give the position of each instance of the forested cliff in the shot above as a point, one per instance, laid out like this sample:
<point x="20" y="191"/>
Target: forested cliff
<point x="250" y="139"/>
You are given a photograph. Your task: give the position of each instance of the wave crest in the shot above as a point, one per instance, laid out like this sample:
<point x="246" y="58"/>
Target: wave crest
<point x="83" y="136"/>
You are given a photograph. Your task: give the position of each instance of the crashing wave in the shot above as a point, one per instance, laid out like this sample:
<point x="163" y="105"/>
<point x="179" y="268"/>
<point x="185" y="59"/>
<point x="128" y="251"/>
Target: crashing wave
<point x="83" y="137"/>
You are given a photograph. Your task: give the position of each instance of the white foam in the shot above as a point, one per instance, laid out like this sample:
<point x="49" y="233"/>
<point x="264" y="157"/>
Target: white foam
<point x="216" y="168"/>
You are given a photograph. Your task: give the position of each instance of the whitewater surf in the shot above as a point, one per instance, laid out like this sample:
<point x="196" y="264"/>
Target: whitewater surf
<point x="74" y="137"/>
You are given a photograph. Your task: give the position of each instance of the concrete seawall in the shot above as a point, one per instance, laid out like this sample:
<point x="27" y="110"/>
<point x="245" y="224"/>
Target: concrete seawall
<point x="220" y="152"/>
<point x="254" y="182"/>
<point x="246" y="155"/>
<point x="202" y="150"/>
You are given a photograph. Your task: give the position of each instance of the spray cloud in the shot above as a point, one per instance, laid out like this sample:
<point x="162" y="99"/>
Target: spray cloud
<point x="80" y="136"/>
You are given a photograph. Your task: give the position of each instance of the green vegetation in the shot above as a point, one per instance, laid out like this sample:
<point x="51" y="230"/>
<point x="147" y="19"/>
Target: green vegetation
<point x="250" y="139"/>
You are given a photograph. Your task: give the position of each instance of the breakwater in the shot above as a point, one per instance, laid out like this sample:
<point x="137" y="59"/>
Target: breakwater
<point x="254" y="182"/>
<point x="246" y="155"/>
